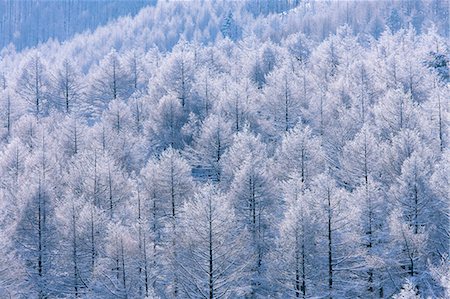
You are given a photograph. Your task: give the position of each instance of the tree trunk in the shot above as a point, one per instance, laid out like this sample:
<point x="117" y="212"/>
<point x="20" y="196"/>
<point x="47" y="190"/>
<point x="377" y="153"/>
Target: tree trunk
<point x="40" y="241"/>
<point x="74" y="251"/>
<point x="330" y="253"/>
<point x="211" y="259"/>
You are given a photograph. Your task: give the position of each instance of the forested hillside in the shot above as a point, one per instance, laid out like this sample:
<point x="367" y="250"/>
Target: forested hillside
<point x="26" y="23"/>
<point x="214" y="149"/>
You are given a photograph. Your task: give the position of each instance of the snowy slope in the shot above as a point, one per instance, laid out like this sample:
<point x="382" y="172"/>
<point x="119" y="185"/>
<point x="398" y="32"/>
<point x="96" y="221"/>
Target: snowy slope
<point x="27" y="23"/>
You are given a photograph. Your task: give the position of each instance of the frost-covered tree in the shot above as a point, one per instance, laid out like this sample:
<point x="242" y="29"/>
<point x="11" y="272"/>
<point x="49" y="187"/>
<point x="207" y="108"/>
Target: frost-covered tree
<point x="412" y="193"/>
<point x="134" y="61"/>
<point x="174" y="185"/>
<point x="173" y="180"/>
<point x="394" y="112"/>
<point x="326" y="61"/>
<point x="437" y="107"/>
<point x="337" y="254"/>
<point x="237" y="102"/>
<point x="118" y="267"/>
<point x="299" y="46"/>
<point x="166" y="123"/>
<point x="154" y="216"/>
<point x="8" y="113"/>
<point x="207" y="150"/>
<point x="33" y="85"/>
<point x="68" y="89"/>
<point x="415" y="222"/>
<point x="13" y="166"/>
<point x="408" y="248"/>
<point x="300" y="153"/>
<point x="213" y="250"/>
<point x="362" y="91"/>
<point x="13" y="280"/>
<point x="359" y="159"/>
<point x="371" y="228"/>
<point x="253" y="195"/>
<point x="34" y="238"/>
<point x="437" y="183"/>
<point x="282" y="99"/>
<point x="109" y="81"/>
<point x="178" y="74"/>
<point x="292" y="261"/>
<point x="74" y="250"/>
<point x="73" y="140"/>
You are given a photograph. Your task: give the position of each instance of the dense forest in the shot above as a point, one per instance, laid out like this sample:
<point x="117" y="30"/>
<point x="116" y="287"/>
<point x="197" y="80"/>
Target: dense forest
<point x="26" y="23"/>
<point x="224" y="149"/>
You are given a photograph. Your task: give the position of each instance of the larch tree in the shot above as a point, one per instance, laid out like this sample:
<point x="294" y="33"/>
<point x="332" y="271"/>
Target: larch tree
<point x="178" y="75"/>
<point x="362" y="91"/>
<point x="118" y="267"/>
<point x="213" y="257"/>
<point x="154" y="215"/>
<point x="13" y="166"/>
<point x="359" y="160"/>
<point x="134" y="61"/>
<point x="68" y="89"/>
<point x="173" y="180"/>
<point x="8" y="113"/>
<point x="408" y="248"/>
<point x="299" y="47"/>
<point x="253" y="196"/>
<point x="305" y="85"/>
<point x="372" y="237"/>
<point x="206" y="90"/>
<point x="174" y="184"/>
<point x="417" y="216"/>
<point x="12" y="272"/>
<point x="166" y="123"/>
<point x="71" y="137"/>
<point x="27" y="131"/>
<point x="34" y="239"/>
<point x="300" y="153"/>
<point x="85" y="179"/>
<point x="13" y="275"/>
<point x="236" y="102"/>
<point x="412" y="72"/>
<point x="262" y="61"/>
<point x="207" y="150"/>
<point x="292" y="262"/>
<point x="412" y="193"/>
<point x="396" y="152"/>
<point x="126" y="148"/>
<point x="116" y="186"/>
<point x="33" y="85"/>
<point x="325" y="60"/>
<point x="386" y="59"/>
<point x="110" y="81"/>
<point x="146" y="247"/>
<point x="438" y="182"/>
<point x="336" y="239"/>
<point x="437" y="108"/>
<point x="282" y="99"/>
<point x="395" y="111"/>
<point x="74" y="250"/>
<point x="106" y="184"/>
<point x="139" y="114"/>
